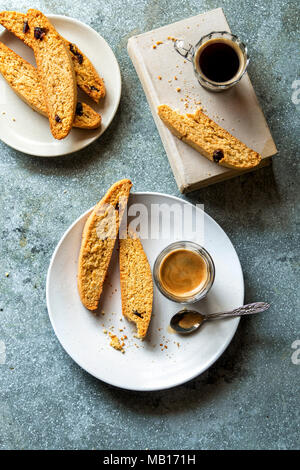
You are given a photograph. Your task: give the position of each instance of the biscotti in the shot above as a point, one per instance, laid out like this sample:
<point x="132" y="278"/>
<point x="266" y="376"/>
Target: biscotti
<point x="98" y="241"/>
<point x="56" y="73"/>
<point x="87" y="77"/>
<point x="136" y="283"/>
<point x="23" y="79"/>
<point x="86" y="117"/>
<point x="208" y="138"/>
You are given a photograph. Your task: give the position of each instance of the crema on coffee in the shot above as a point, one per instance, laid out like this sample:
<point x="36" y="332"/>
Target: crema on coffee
<point x="183" y="273"/>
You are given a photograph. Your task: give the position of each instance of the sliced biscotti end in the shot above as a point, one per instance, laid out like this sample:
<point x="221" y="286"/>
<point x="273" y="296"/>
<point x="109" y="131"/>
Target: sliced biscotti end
<point x="17" y="24"/>
<point x="56" y="73"/>
<point x="210" y="139"/>
<point x="136" y="283"/>
<point x="222" y="146"/>
<point x="86" y="117"/>
<point x="173" y="120"/>
<point x="98" y="241"/>
<point x="22" y="77"/>
<point x="87" y="77"/>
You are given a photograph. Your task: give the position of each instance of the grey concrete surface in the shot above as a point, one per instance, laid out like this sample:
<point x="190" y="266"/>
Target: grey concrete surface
<point x="250" y="397"/>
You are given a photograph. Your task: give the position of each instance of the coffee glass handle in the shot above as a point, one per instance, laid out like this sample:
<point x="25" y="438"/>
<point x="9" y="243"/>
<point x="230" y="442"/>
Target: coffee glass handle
<point x="185" y="50"/>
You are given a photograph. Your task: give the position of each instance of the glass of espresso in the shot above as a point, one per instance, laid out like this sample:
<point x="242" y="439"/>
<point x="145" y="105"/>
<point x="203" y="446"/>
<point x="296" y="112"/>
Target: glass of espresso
<point x="219" y="59"/>
<point x="184" y="272"/>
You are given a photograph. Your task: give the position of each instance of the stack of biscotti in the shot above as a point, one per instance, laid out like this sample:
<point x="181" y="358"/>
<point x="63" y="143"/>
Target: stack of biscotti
<point x="210" y="139"/>
<point x="98" y="240"/>
<point x="51" y="89"/>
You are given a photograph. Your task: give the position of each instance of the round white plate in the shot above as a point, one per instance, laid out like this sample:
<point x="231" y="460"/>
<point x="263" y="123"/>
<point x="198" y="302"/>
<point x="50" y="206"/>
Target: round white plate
<point x="29" y="132"/>
<point x="145" y="365"/>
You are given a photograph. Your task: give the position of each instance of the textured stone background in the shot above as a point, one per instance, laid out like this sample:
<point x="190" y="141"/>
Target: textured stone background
<point x="250" y="397"/>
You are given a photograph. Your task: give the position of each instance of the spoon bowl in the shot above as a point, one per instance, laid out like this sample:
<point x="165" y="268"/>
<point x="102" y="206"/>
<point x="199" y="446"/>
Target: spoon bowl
<point x="186" y="321"/>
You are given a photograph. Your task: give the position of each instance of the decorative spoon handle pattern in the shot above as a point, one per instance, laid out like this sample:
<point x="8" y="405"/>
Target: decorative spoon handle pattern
<point x="248" y="309"/>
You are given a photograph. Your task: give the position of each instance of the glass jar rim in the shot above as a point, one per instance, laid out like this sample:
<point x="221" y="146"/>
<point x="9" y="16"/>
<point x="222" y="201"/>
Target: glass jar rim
<point x="244" y="49"/>
<point x="192" y="246"/>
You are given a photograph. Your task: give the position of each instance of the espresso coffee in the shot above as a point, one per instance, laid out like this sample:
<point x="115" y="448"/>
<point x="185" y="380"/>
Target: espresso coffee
<point x="219" y="60"/>
<point x="183" y="272"/>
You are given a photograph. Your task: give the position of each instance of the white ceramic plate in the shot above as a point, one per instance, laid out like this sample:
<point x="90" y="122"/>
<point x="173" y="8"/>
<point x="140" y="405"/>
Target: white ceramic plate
<point x="27" y="131"/>
<point x="144" y="366"/>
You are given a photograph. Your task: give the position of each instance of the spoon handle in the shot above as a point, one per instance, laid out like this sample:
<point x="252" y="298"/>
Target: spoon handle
<point x="248" y="309"/>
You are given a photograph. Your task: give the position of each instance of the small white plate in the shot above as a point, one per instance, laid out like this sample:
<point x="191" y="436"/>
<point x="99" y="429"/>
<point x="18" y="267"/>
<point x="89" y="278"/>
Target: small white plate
<point x="145" y="365"/>
<point x="29" y="132"/>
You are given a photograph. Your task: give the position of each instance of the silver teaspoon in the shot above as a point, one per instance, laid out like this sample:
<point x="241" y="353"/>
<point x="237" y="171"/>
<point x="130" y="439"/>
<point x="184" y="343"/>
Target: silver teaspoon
<point x="188" y="321"/>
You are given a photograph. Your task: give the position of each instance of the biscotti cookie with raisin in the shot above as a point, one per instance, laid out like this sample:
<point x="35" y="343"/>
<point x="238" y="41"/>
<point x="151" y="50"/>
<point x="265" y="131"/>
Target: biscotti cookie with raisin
<point x="86" y="76"/>
<point x="86" y="117"/>
<point x="136" y="283"/>
<point x="98" y="241"/>
<point x="56" y="73"/>
<point x="23" y="79"/>
<point x="210" y="139"/>
<point x="17" y="24"/>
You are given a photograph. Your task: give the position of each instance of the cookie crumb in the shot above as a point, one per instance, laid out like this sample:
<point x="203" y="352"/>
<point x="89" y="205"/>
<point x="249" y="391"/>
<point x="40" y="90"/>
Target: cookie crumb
<point x="115" y="343"/>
